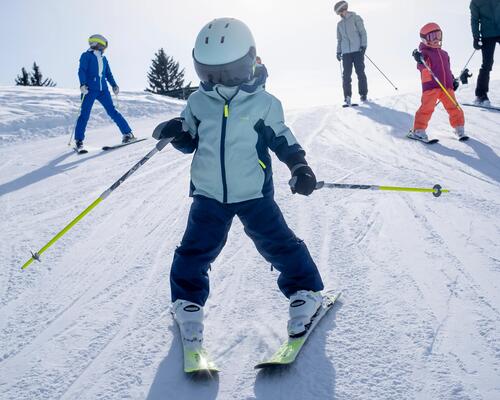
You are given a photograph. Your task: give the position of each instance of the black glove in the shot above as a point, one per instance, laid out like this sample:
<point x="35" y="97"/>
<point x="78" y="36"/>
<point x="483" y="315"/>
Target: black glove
<point x="362" y="49"/>
<point x="478" y="44"/>
<point x="456" y="84"/>
<point x="417" y="55"/>
<point x="464" y="76"/>
<point x="339" y="56"/>
<point x="169" y="129"/>
<point x="303" y="180"/>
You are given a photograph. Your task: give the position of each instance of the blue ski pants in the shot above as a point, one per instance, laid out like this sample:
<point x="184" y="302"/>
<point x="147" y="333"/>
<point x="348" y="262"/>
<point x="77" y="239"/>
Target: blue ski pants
<point x="104" y="97"/>
<point x="206" y="234"/>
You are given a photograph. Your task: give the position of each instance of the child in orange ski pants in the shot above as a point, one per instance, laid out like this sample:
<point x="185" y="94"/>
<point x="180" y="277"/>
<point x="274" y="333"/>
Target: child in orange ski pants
<point x="429" y="101"/>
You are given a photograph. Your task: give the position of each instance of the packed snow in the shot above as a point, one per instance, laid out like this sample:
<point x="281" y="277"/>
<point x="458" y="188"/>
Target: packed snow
<point x="419" y="316"/>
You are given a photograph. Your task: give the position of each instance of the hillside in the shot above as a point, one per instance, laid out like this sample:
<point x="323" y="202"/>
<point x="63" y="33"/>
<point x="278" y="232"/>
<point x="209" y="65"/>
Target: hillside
<point x="420" y="310"/>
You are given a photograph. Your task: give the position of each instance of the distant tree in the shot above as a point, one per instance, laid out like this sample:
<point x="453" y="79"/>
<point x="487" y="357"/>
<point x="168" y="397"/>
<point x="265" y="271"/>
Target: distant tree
<point x="164" y="76"/>
<point x="23" y="79"/>
<point x="37" y="78"/>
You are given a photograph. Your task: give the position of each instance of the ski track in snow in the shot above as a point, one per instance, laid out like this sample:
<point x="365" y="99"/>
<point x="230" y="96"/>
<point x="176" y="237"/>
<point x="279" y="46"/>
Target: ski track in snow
<point x="419" y="317"/>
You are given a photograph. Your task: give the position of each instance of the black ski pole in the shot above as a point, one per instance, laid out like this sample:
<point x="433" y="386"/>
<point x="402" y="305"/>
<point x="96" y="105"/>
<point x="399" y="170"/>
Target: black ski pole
<point x="379" y="70"/>
<point x="159" y="147"/>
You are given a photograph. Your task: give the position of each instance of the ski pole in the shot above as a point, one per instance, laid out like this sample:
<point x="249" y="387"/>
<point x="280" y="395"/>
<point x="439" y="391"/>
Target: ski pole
<point x="379" y="70"/>
<point x="437" y="190"/>
<point x="159" y="146"/>
<point x="72" y="132"/>
<point x="440" y="84"/>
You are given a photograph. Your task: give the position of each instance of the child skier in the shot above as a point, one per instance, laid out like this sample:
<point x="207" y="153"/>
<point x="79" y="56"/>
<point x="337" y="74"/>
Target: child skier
<point x="438" y="61"/>
<point x="229" y="123"/>
<point x="94" y="73"/>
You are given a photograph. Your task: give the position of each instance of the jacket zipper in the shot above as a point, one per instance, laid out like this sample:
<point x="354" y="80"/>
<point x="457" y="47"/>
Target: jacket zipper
<point x="225" y="116"/>
<point x="442" y="66"/>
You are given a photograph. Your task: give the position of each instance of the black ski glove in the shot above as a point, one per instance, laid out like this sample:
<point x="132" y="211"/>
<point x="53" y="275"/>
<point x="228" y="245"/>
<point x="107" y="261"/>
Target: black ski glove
<point x="303" y="180"/>
<point x="464" y="76"/>
<point x="417" y="55"/>
<point x="339" y="56"/>
<point x="362" y="49"/>
<point x="456" y="84"/>
<point x="169" y="129"/>
<point x="478" y="44"/>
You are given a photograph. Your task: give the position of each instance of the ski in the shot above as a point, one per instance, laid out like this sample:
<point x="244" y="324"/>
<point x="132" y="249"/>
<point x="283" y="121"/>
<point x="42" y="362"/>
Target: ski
<point x="197" y="362"/>
<point x="290" y="349"/>
<point x="463" y="138"/>
<point x="428" y="141"/>
<point x="492" y="108"/>
<point x="350" y="105"/>
<point x="117" y="146"/>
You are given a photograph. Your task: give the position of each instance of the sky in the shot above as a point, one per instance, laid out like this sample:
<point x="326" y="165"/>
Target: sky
<point x="295" y="38"/>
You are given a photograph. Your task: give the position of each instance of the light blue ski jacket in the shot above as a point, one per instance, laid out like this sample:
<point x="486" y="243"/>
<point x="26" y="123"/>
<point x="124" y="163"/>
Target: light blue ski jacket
<point x="231" y="138"/>
<point x="351" y="34"/>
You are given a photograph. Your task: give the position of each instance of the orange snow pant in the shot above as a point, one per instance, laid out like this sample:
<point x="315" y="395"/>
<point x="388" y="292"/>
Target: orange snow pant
<point x="429" y="101"/>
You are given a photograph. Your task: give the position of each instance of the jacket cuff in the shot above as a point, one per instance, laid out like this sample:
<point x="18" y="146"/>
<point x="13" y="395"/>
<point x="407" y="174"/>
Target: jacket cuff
<point x="295" y="159"/>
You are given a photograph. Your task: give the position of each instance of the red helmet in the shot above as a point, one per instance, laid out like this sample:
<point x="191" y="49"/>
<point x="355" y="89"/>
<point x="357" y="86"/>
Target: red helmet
<point x="432" y="35"/>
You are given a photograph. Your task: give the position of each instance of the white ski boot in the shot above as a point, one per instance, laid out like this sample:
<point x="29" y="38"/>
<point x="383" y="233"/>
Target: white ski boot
<point x="347" y="101"/>
<point x="482" y="101"/>
<point x="460" y="132"/>
<point x="189" y="317"/>
<point x="303" y="306"/>
<point x="418" y="134"/>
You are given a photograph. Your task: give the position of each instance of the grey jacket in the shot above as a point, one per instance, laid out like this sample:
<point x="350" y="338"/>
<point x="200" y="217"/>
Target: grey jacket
<point x="351" y="34"/>
<point x="485" y="18"/>
<point x="231" y="138"/>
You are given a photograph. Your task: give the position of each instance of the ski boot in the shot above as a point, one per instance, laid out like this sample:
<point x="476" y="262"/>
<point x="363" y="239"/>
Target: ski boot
<point x="418" y="134"/>
<point x="79" y="145"/>
<point x="363" y="98"/>
<point x="304" y="305"/>
<point x="347" y="101"/>
<point x="189" y="317"/>
<point x="128" y="137"/>
<point x="483" y="101"/>
<point x="460" y="132"/>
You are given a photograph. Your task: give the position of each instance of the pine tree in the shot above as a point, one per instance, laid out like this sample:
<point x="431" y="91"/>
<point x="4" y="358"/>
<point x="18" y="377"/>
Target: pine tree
<point x="23" y="79"/>
<point x="36" y="78"/>
<point x="164" y="76"/>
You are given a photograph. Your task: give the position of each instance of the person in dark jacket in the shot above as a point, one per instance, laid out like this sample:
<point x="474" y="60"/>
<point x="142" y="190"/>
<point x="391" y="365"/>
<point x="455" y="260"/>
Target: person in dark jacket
<point x="94" y="74"/>
<point x="351" y="47"/>
<point x="485" y="24"/>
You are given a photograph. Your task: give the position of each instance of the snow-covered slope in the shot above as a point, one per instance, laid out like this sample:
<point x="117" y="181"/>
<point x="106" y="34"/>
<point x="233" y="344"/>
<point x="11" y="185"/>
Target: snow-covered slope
<point x="420" y="312"/>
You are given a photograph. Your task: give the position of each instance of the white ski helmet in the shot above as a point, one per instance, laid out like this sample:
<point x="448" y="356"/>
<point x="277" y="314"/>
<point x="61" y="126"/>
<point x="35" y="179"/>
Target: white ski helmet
<point x="225" y="52"/>
<point x="98" y="42"/>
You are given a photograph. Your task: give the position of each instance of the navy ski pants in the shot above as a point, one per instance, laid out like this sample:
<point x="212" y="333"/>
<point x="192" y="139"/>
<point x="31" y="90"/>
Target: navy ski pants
<point x="206" y="234"/>
<point x="104" y="97"/>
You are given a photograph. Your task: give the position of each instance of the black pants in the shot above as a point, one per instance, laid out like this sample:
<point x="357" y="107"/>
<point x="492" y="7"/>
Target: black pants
<point x="358" y="60"/>
<point x="483" y="79"/>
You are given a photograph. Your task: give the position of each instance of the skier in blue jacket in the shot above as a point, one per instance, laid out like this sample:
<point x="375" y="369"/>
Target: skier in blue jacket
<point x="229" y="124"/>
<point x="94" y="74"/>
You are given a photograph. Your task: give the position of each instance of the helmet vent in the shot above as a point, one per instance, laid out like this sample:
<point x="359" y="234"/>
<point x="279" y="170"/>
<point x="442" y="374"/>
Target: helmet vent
<point x="227" y="25"/>
<point x="210" y="26"/>
<point x="222" y="39"/>
<point x="206" y="40"/>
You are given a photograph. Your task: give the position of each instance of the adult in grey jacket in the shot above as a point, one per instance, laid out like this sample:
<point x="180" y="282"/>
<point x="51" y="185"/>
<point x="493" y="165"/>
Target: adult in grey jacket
<point x="485" y="24"/>
<point x="351" y="46"/>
